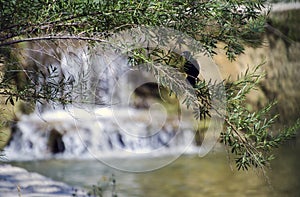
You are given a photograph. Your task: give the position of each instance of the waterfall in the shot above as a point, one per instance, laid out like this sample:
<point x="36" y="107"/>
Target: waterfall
<point x="97" y="135"/>
<point x="100" y="122"/>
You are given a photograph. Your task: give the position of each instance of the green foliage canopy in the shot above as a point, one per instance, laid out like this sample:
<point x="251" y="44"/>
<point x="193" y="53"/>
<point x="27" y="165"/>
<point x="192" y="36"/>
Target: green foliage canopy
<point x="232" y="22"/>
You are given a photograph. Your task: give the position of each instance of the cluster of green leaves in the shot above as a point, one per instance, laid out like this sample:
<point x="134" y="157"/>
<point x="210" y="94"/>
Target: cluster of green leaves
<point x="167" y="67"/>
<point x="230" y="22"/>
<point x="106" y="186"/>
<point x="234" y="23"/>
<point x="249" y="134"/>
<point x="33" y="90"/>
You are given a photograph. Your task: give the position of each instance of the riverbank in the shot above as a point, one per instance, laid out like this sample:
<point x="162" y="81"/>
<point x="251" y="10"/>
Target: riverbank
<point x="15" y="181"/>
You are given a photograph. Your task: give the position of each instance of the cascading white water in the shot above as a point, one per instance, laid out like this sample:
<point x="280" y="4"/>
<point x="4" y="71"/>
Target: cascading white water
<point x="99" y="123"/>
<point x="97" y="135"/>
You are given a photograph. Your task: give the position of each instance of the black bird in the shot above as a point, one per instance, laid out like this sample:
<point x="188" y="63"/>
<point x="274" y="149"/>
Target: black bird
<point x="191" y="68"/>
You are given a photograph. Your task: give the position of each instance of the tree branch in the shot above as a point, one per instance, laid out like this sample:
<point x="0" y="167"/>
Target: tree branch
<point x="52" y="38"/>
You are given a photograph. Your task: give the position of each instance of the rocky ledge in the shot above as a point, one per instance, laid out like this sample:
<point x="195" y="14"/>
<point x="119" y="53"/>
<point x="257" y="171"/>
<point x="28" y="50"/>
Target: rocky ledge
<point x="15" y="181"/>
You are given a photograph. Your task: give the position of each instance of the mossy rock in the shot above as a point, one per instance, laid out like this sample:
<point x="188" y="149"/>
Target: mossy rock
<point x="6" y="116"/>
<point x="287" y="22"/>
<point x="5" y="134"/>
<point x="200" y="131"/>
<point x="9" y="114"/>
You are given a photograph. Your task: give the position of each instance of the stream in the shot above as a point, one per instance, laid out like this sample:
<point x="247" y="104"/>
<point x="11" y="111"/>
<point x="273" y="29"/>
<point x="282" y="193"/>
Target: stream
<point x="189" y="175"/>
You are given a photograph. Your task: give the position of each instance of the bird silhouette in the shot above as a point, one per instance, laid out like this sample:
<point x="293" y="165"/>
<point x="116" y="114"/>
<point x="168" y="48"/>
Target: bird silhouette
<point x="191" y="68"/>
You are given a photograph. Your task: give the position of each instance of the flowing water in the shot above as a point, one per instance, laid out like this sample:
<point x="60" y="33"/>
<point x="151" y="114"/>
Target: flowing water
<point x="189" y="175"/>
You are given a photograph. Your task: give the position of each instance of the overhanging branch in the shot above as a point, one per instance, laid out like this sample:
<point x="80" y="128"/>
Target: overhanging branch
<point x="51" y="38"/>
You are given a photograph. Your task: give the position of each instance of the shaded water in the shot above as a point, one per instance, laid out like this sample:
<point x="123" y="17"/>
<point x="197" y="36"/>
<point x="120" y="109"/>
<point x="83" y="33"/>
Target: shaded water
<point x="189" y="176"/>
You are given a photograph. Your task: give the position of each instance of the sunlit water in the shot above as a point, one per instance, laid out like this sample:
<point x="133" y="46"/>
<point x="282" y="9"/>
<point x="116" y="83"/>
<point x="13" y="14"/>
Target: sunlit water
<point x="189" y="176"/>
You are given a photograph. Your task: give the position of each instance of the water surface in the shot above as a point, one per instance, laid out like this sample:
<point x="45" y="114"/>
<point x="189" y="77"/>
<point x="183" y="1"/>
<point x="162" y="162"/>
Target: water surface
<point x="189" y="176"/>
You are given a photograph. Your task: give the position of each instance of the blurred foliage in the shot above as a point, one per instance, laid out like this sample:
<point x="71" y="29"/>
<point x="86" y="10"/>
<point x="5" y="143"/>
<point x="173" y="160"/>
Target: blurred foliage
<point x="105" y="186"/>
<point x="287" y="25"/>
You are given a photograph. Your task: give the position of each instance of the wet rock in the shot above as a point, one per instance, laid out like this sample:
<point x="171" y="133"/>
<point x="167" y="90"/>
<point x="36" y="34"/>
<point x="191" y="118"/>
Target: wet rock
<point x="16" y="181"/>
<point x="55" y="142"/>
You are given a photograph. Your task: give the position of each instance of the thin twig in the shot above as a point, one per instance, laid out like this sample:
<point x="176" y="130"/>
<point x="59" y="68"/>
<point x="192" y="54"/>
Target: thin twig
<point x="52" y="38"/>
